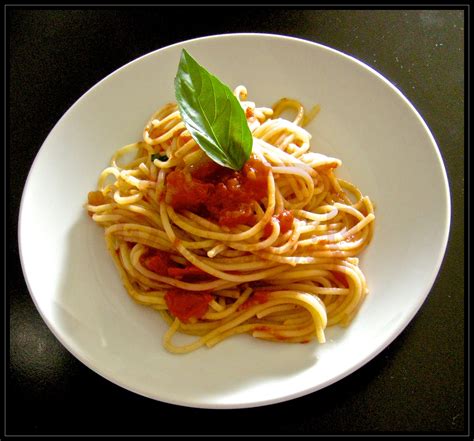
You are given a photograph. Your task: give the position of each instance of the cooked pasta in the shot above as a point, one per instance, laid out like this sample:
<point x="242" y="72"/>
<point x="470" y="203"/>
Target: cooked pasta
<point x="270" y="251"/>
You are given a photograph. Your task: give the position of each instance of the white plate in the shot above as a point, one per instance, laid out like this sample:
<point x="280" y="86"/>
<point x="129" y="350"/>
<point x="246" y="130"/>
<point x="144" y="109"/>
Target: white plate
<point x="386" y="149"/>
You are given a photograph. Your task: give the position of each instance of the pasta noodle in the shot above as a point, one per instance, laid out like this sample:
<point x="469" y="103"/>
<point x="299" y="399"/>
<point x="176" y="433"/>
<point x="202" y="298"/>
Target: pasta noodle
<point x="269" y="251"/>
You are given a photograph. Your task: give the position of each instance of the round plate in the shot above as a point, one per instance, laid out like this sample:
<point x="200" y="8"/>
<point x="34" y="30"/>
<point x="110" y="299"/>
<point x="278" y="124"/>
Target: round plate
<point x="386" y="149"/>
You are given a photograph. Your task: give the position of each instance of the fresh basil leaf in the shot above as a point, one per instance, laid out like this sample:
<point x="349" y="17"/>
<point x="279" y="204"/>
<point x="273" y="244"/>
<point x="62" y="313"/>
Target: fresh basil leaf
<point x="212" y="114"/>
<point x="158" y="156"/>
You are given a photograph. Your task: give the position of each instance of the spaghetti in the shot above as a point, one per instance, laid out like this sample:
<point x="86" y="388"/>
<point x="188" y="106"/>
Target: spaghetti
<point x="270" y="250"/>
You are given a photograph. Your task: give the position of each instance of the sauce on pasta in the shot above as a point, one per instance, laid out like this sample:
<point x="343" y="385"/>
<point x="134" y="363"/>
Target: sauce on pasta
<point x="270" y="251"/>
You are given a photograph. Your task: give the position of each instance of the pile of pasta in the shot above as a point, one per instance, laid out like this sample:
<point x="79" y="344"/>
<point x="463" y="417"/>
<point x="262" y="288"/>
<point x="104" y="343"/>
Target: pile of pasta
<point x="270" y="251"/>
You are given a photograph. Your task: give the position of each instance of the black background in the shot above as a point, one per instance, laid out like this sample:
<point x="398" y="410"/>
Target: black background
<point x="415" y="385"/>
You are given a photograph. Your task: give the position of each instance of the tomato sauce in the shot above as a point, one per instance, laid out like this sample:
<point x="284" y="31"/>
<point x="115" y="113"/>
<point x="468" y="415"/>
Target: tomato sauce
<point x="188" y="271"/>
<point x="257" y="298"/>
<point x="285" y="219"/>
<point x="160" y="263"/>
<point x="271" y="331"/>
<point x="186" y="193"/>
<point x="219" y="193"/>
<point x="187" y="304"/>
<point x="263" y="328"/>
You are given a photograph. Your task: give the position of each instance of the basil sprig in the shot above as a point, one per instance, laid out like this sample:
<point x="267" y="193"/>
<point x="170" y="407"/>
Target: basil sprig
<point x="212" y="114"/>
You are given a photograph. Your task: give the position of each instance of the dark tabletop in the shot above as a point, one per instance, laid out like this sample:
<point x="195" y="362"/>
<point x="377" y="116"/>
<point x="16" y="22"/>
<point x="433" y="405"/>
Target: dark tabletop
<point x="416" y="385"/>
